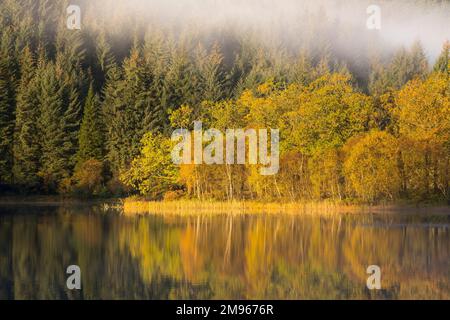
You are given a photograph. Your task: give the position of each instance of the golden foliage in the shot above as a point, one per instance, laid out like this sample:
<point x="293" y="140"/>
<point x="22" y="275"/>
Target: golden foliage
<point x="371" y="166"/>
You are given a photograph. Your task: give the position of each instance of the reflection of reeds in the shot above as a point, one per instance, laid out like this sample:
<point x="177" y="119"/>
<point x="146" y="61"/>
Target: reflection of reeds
<point x="186" y="207"/>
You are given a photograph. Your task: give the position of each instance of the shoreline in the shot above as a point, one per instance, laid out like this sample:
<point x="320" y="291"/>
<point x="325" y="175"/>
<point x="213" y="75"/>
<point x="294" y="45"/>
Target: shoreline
<point x="37" y="200"/>
<point x="133" y="206"/>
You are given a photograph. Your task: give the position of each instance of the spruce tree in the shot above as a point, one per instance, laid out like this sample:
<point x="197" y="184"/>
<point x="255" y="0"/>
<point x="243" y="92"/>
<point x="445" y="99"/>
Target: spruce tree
<point x="105" y="59"/>
<point x="71" y="54"/>
<point x="302" y="71"/>
<point x="407" y="65"/>
<point x="53" y="164"/>
<point x="125" y="105"/>
<point x="6" y="121"/>
<point x="419" y="62"/>
<point x="70" y="121"/>
<point x="211" y="74"/>
<point x="443" y="62"/>
<point x="26" y="137"/>
<point x="180" y="80"/>
<point x="111" y="109"/>
<point x="399" y="70"/>
<point x="91" y="141"/>
<point x="8" y="88"/>
<point x="379" y="81"/>
<point x="156" y="63"/>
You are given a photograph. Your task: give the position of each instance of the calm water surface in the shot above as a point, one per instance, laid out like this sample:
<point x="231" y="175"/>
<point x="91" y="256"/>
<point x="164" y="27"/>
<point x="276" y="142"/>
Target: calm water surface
<point x="220" y="257"/>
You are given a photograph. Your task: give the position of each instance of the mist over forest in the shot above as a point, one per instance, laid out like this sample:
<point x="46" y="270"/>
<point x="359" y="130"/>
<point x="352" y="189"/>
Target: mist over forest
<point x="294" y="24"/>
<point x="283" y="29"/>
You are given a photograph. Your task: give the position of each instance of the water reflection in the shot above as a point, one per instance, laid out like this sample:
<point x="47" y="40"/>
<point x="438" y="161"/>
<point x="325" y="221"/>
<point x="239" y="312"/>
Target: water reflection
<point x="222" y="257"/>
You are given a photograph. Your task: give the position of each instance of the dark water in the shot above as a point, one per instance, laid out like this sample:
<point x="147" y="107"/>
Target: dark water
<point x="220" y="257"/>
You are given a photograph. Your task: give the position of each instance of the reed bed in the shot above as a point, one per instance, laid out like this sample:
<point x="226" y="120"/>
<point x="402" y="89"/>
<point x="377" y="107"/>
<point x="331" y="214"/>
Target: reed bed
<point x="196" y="207"/>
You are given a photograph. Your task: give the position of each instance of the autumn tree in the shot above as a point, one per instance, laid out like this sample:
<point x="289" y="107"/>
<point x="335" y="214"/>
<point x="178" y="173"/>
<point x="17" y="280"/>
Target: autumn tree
<point x="371" y="166"/>
<point x="153" y="172"/>
<point x="424" y="120"/>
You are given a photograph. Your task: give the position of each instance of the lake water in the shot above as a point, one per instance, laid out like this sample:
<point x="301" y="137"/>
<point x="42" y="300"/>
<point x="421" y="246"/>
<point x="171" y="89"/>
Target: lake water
<point x="221" y="257"/>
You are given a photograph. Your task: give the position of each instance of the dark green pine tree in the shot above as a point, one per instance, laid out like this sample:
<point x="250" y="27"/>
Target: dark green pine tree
<point x="117" y="108"/>
<point x="210" y="74"/>
<point x="150" y="106"/>
<point x="70" y="57"/>
<point x="53" y="164"/>
<point x="419" y="62"/>
<point x="235" y="78"/>
<point x="48" y="13"/>
<point x="112" y="107"/>
<point x="6" y="120"/>
<point x="399" y="70"/>
<point x="70" y="48"/>
<point x="129" y="110"/>
<point x="302" y="70"/>
<point x="407" y="65"/>
<point x="379" y="82"/>
<point x="323" y="67"/>
<point x="180" y="80"/>
<point x="71" y="121"/>
<point x="91" y="138"/>
<point x="259" y="71"/>
<point x="443" y="62"/>
<point x="105" y="60"/>
<point x="156" y="57"/>
<point x="26" y="137"/>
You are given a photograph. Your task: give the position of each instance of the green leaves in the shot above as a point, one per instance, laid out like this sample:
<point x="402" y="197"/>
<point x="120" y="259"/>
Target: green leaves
<point x="329" y="113"/>
<point x="153" y="172"/>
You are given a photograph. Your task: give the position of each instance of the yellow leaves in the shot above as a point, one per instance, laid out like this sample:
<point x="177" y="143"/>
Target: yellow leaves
<point x="423" y="109"/>
<point x="330" y="113"/>
<point x="335" y="82"/>
<point x="266" y="88"/>
<point x="423" y="115"/>
<point x="322" y="150"/>
<point x="182" y="117"/>
<point x="371" y="166"/>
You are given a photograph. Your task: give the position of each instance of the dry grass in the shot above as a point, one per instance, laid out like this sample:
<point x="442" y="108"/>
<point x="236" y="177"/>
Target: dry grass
<point x="193" y="207"/>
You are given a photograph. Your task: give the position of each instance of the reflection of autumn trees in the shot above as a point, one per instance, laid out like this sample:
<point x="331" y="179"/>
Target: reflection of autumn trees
<point x="409" y="257"/>
<point x="281" y="257"/>
<point x="287" y="258"/>
<point x="156" y="250"/>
